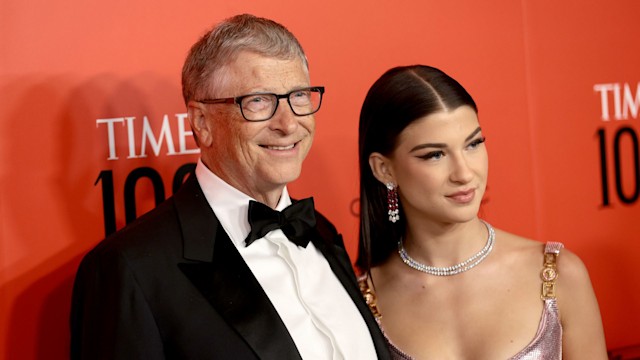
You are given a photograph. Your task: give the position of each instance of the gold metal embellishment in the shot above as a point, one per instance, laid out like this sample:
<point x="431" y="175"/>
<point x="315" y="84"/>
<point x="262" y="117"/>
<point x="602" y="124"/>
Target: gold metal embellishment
<point x="549" y="274"/>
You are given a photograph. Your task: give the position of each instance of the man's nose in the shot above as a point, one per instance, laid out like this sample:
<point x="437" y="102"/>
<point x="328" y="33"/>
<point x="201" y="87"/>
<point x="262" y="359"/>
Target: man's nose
<point x="284" y="119"/>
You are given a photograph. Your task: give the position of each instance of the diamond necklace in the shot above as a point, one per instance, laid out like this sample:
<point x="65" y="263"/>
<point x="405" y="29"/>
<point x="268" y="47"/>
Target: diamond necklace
<point x="455" y="269"/>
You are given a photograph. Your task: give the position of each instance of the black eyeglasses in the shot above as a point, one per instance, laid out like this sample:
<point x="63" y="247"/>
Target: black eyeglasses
<point x="262" y="106"/>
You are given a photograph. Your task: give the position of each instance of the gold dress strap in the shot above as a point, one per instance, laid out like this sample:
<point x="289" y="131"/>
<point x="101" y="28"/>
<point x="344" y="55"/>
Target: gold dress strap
<point x="549" y="272"/>
<point x="369" y="296"/>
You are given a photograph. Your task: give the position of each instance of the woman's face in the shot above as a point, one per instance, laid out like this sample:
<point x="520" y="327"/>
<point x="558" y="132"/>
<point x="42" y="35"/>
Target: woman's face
<point x="440" y="166"/>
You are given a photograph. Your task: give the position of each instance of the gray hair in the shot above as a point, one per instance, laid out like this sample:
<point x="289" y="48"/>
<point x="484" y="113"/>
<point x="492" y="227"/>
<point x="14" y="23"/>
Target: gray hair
<point x="222" y="44"/>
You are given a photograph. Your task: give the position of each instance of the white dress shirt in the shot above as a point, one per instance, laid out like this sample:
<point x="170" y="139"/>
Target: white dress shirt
<point x="314" y="306"/>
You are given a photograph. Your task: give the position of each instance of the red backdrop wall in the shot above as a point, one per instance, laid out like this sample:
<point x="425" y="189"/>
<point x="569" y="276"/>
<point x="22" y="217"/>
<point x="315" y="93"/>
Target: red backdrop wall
<point x="90" y="101"/>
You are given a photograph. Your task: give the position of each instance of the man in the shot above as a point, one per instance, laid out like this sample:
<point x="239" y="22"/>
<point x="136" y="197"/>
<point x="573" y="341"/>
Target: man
<point x="193" y="279"/>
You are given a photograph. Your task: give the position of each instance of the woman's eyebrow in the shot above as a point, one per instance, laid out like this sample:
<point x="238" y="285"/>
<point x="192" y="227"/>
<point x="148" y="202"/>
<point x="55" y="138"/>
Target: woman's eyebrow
<point x="441" y="145"/>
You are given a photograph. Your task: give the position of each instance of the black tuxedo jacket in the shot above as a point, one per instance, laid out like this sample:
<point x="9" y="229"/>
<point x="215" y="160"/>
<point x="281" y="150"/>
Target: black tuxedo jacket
<point x="171" y="285"/>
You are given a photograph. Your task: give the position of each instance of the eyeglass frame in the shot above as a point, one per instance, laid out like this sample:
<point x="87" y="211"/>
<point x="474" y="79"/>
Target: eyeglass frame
<point x="238" y="100"/>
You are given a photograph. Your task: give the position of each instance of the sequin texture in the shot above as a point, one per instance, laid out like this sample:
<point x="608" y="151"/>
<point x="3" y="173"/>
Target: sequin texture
<point x="546" y="345"/>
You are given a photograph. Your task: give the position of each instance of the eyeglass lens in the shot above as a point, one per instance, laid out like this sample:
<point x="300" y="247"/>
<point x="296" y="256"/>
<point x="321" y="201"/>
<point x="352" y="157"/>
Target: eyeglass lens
<point x="262" y="106"/>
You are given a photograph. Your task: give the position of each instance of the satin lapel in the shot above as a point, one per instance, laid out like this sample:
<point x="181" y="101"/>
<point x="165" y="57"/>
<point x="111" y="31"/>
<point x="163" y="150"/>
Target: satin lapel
<point x="225" y="280"/>
<point x="341" y="265"/>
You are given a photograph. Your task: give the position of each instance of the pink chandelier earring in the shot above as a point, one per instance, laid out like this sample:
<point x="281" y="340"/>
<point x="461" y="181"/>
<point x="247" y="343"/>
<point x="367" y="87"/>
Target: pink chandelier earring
<point x="392" y="202"/>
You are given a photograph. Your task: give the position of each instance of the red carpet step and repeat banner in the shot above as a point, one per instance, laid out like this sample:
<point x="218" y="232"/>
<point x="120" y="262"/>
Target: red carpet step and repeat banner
<point x="93" y="130"/>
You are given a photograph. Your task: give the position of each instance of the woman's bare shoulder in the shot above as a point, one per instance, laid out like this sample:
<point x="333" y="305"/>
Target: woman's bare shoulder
<point x="568" y="262"/>
<point x="522" y="248"/>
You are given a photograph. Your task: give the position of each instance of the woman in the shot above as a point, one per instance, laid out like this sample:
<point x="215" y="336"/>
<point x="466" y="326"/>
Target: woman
<point x="444" y="283"/>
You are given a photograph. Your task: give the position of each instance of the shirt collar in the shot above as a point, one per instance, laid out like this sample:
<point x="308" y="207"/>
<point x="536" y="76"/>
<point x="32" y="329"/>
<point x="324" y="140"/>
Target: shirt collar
<point x="230" y="205"/>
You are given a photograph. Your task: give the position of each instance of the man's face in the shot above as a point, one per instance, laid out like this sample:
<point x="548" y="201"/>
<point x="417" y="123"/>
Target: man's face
<point x="258" y="158"/>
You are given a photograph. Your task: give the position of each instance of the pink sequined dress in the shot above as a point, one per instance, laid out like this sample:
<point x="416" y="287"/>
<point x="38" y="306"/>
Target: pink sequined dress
<point x="547" y="343"/>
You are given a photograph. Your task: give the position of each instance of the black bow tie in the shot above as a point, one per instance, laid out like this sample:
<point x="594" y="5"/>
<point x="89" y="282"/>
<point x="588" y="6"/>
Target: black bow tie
<point x="294" y="221"/>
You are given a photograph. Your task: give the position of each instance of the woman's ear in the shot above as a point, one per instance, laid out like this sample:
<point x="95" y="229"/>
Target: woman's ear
<point x="199" y="124"/>
<point x="381" y="168"/>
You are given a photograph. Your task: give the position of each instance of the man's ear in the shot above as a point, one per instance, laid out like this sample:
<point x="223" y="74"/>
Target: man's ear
<point x="381" y="168"/>
<point x="201" y="128"/>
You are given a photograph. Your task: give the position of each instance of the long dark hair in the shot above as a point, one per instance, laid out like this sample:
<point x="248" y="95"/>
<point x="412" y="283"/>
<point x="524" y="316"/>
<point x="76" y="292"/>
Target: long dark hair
<point x="399" y="97"/>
